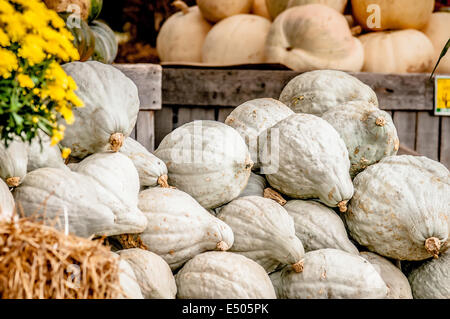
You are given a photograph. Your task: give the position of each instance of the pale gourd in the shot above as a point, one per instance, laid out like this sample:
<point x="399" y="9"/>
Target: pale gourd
<point x="216" y="10"/>
<point x="260" y="8"/>
<point x="253" y="117"/>
<point x="400" y="208"/>
<point x="431" y="280"/>
<point x="42" y="154"/>
<point x="438" y="31"/>
<point x="312" y="161"/>
<point x="223" y="275"/>
<point x="6" y="202"/>
<point x="264" y="232"/>
<point x="255" y="186"/>
<point x="318" y="226"/>
<point x="111" y="106"/>
<point x="106" y="45"/>
<point x="116" y="182"/>
<point x="403" y="51"/>
<point x="208" y="160"/>
<point x="395" y="280"/>
<point x="153" y="274"/>
<point x="338" y="5"/>
<point x="152" y="171"/>
<point x="182" y="35"/>
<point x="275" y="7"/>
<point x="330" y="274"/>
<point x="316" y="92"/>
<point x="368" y="132"/>
<point x="51" y="194"/>
<point x="179" y="228"/>
<point x="129" y="286"/>
<point x="13" y="162"/>
<point x="300" y="40"/>
<point x="377" y="15"/>
<point x="238" y="39"/>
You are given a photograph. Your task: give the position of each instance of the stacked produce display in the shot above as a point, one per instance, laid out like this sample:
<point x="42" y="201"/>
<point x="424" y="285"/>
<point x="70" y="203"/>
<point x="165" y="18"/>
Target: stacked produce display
<point x="299" y="197"/>
<point x="288" y="198"/>
<point x="371" y="36"/>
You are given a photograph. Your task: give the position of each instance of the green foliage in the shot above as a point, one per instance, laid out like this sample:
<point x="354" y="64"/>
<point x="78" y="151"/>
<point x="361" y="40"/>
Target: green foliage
<point x="443" y="53"/>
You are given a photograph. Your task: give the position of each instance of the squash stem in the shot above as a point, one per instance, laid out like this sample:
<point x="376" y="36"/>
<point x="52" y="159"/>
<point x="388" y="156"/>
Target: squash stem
<point x="342" y="206"/>
<point x="222" y="246"/>
<point x="274" y="195"/>
<point x="13" y="181"/>
<point x="181" y="5"/>
<point x="162" y="181"/>
<point x="116" y="141"/>
<point x="433" y="246"/>
<point x="380" y="121"/>
<point x="356" y="30"/>
<point x="298" y="266"/>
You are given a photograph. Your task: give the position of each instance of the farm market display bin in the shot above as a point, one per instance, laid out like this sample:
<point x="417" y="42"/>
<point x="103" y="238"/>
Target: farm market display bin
<point x="198" y="93"/>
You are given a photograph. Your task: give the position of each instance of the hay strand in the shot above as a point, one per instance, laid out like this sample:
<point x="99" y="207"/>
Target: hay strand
<point x="40" y="262"/>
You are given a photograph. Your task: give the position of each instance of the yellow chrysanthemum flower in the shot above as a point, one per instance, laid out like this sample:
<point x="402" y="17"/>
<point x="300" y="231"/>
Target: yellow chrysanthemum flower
<point x="54" y="92"/>
<point x="15" y="28"/>
<point x="8" y="63"/>
<point x="67" y="114"/>
<point x="55" y="20"/>
<point x="32" y="49"/>
<point x="25" y="81"/>
<point x="33" y="20"/>
<point x="32" y="35"/>
<point x="6" y="8"/>
<point x="74" y="99"/>
<point x="65" y="152"/>
<point x="4" y="39"/>
<point x="56" y="74"/>
<point x="57" y="136"/>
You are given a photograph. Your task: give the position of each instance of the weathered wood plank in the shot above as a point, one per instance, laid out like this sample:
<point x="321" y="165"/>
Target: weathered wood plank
<point x="163" y="124"/>
<point x="427" y="135"/>
<point x="400" y="91"/>
<point x="223" y="113"/>
<point x="445" y="141"/>
<point x="403" y="150"/>
<point x="405" y="122"/>
<point x="221" y="87"/>
<point x="189" y="114"/>
<point x="133" y="133"/>
<point x="145" y="129"/>
<point x="148" y="79"/>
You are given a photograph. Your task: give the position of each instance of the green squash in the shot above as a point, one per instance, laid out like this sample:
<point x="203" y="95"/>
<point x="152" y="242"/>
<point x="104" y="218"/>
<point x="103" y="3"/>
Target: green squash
<point x="84" y="39"/>
<point x="106" y="46"/>
<point x="94" y="9"/>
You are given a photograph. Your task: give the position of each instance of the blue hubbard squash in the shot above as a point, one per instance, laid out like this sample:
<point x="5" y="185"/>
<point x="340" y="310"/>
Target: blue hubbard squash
<point x="106" y="46"/>
<point x="84" y="39"/>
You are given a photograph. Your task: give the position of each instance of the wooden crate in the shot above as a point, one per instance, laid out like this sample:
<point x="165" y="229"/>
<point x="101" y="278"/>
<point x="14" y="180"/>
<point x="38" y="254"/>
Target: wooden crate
<point x="190" y="93"/>
<point x="173" y="96"/>
<point x="148" y="79"/>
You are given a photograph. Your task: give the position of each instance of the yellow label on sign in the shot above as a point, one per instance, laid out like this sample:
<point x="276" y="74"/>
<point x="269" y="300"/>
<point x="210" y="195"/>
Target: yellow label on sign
<point x="443" y="96"/>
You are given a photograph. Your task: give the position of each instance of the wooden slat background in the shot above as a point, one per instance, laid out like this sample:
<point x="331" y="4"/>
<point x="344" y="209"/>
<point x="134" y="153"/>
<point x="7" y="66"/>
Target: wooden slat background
<point x="148" y="79"/>
<point x="198" y="94"/>
<point x="173" y="96"/>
